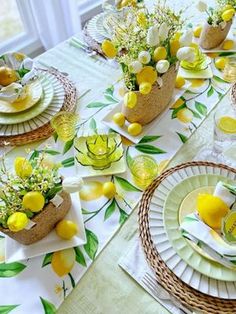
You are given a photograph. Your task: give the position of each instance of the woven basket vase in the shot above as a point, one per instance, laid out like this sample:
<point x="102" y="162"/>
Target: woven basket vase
<point x="45" y="222"/>
<point x="149" y="106"/>
<point x="211" y="37"/>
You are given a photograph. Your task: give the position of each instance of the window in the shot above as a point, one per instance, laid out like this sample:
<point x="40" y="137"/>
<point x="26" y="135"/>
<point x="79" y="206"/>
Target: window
<point x="17" y="31"/>
<point x="88" y="8"/>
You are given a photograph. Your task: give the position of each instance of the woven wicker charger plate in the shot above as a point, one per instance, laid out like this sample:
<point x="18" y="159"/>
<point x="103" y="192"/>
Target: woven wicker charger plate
<point x="46" y="130"/>
<point x="177" y="288"/>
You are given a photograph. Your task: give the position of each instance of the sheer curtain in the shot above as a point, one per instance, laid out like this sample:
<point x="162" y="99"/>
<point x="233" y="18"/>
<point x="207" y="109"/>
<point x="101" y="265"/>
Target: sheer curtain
<point x="55" y="20"/>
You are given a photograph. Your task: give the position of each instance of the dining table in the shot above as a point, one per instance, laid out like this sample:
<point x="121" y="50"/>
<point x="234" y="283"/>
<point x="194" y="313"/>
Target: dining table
<point x="100" y="285"/>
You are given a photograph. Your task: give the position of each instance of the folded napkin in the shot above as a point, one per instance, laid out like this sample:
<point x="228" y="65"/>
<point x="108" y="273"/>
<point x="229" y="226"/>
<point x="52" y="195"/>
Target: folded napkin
<point x="195" y="230"/>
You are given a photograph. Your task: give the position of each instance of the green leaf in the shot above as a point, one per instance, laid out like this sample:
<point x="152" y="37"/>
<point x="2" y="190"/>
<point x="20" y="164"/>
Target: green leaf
<point x="34" y="155"/>
<point x="11" y="269"/>
<point x="220" y="96"/>
<point x="80" y="256"/>
<point x="190" y="92"/>
<point x="218" y="79"/>
<point x="149" y="138"/>
<point x="55" y="136"/>
<point x="53" y="191"/>
<point x="111" y="99"/>
<point x="128" y="158"/>
<point x="123" y="216"/>
<point x="225" y="53"/>
<point x="149" y="149"/>
<point x="176" y="110"/>
<point x="110" y="90"/>
<point x="91" y="246"/>
<point x="5" y="309"/>
<point x="47" y="259"/>
<point x="126" y="185"/>
<point x="51" y="152"/>
<point x="96" y="105"/>
<point x="93" y="125"/>
<point x="210" y="92"/>
<point x="110" y="209"/>
<point x="195" y="114"/>
<point x="69" y="162"/>
<point x="85" y="211"/>
<point x="48" y="307"/>
<point x="201" y="108"/>
<point x="182" y="137"/>
<point x="68" y="146"/>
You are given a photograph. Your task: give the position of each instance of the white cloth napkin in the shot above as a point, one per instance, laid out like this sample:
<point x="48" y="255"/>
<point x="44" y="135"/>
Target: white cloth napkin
<point x="135" y="264"/>
<point x="194" y="229"/>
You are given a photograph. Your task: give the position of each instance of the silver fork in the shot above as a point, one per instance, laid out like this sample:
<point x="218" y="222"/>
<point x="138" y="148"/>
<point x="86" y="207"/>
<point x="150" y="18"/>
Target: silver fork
<point x="160" y="293"/>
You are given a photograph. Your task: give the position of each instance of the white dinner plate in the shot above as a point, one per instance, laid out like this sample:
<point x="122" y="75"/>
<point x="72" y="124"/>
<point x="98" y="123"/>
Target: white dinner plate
<point x="198" y="281"/>
<point x="107" y="119"/>
<point x="15" y="251"/>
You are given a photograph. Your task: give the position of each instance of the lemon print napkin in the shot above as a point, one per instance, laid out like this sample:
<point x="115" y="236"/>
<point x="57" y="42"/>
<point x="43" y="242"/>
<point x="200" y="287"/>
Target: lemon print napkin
<point x="195" y="230"/>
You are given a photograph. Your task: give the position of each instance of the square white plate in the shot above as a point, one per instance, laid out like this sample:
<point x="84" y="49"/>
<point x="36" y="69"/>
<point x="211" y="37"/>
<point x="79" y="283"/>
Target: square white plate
<point x="203" y="74"/>
<point x="14" y="251"/>
<point x="230" y="36"/>
<point x="107" y="119"/>
<point x="88" y="171"/>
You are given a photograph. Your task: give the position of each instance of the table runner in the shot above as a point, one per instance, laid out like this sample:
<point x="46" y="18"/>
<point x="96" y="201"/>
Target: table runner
<point x="45" y="289"/>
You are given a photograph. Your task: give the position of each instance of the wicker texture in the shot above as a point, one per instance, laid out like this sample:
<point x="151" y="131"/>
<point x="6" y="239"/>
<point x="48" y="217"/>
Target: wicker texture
<point x="181" y="291"/>
<point x="46" y="130"/>
<point x="92" y="43"/>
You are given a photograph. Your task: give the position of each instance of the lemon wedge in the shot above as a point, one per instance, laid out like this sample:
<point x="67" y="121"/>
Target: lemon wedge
<point x="227" y="124"/>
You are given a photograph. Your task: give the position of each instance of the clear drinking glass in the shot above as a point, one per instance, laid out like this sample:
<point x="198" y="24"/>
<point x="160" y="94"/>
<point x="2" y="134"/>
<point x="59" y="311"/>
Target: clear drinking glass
<point x="229" y="73"/>
<point x="64" y="123"/>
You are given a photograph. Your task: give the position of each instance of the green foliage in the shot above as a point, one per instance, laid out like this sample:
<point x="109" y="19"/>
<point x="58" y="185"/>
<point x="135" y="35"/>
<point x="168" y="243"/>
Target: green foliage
<point x="91" y="246"/>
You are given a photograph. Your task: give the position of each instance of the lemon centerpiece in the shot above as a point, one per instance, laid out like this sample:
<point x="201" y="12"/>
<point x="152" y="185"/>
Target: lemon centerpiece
<point x="148" y="55"/>
<point x="32" y="200"/>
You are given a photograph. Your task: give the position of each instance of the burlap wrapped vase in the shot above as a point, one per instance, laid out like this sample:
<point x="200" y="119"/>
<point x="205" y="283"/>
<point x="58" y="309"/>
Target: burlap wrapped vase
<point x="212" y="36"/>
<point x="45" y="222"/>
<point x="149" y="106"/>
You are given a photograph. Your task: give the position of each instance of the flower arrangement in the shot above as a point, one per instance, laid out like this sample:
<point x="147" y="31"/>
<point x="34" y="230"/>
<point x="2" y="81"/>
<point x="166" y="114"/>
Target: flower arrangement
<point x="147" y="44"/>
<point x="24" y="194"/>
<point x="222" y="13"/>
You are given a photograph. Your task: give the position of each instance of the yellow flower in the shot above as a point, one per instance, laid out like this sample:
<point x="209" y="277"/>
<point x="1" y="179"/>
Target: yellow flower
<point x="22" y="167"/>
<point x="19" y="56"/>
<point x="17" y="221"/>
<point x="147" y="74"/>
<point x="109" y="49"/>
<point x="141" y="19"/>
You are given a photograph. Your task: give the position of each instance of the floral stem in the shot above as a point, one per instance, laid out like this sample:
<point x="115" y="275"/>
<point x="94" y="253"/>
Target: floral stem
<point x="97" y="212"/>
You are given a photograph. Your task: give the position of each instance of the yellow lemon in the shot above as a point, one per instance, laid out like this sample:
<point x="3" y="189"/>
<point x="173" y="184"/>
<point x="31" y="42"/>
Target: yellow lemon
<point x="185" y="115"/>
<point x="130" y="99"/>
<point x="33" y="201"/>
<point x="63" y="261"/>
<point x="179" y="82"/>
<point x="228" y="44"/>
<point x="91" y="190"/>
<point x="211" y="209"/>
<point x="147" y="74"/>
<point x="17" y="221"/>
<point x="228" y="15"/>
<point x="66" y="229"/>
<point x="109" y="49"/>
<point x="7" y="76"/>
<point x="177" y="36"/>
<point x="227" y="125"/>
<point x="160" y="53"/>
<point x="109" y="189"/>
<point x="145" y="88"/>
<point x="174" y="47"/>
<point x="197" y="31"/>
<point x="228" y="7"/>
<point x="126" y="141"/>
<point x="119" y="119"/>
<point x="220" y="63"/>
<point x="23" y="168"/>
<point x="178" y="103"/>
<point x="135" y="128"/>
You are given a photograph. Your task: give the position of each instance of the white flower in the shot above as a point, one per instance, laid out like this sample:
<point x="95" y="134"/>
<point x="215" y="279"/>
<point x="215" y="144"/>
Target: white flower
<point x="153" y="36"/>
<point x="163" y="31"/>
<point x="72" y="184"/>
<point x="186" y="54"/>
<point x="144" y="57"/>
<point x="187" y="38"/>
<point x="162" y="66"/>
<point x="135" y="67"/>
<point x="201" y="6"/>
